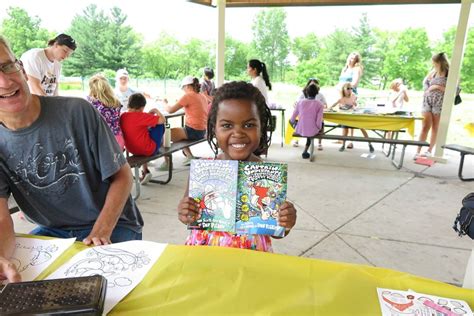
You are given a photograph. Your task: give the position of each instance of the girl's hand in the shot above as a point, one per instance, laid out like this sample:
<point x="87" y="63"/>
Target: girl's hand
<point x="287" y="215"/>
<point x="188" y="210"/>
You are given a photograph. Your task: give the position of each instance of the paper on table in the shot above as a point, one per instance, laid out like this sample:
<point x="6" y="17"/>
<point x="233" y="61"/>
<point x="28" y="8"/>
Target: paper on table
<point x="404" y="303"/>
<point x="123" y="264"/>
<point x="32" y="255"/>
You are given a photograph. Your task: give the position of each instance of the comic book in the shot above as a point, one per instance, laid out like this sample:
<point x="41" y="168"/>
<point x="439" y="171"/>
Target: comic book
<point x="238" y="197"/>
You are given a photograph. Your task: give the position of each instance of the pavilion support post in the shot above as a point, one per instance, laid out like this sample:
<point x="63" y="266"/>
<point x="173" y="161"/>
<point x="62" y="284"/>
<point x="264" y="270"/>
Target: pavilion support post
<point x="220" y="45"/>
<point x="453" y="78"/>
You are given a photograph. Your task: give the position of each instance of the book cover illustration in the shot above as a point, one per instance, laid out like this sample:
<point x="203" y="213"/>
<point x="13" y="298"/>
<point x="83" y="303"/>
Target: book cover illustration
<point x="261" y="191"/>
<point x="238" y="197"/>
<point x="213" y="184"/>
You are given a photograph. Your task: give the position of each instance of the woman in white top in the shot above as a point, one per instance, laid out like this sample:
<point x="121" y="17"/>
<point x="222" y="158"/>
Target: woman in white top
<point x="257" y="70"/>
<point x="398" y="93"/>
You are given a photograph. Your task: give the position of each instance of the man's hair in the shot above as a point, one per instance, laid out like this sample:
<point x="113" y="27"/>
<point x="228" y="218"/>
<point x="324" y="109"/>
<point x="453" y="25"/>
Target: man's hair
<point x="136" y="101"/>
<point x="209" y="72"/>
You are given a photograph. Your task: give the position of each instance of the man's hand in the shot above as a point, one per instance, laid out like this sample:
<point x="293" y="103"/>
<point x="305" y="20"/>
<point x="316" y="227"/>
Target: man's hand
<point x="97" y="238"/>
<point x="8" y="271"/>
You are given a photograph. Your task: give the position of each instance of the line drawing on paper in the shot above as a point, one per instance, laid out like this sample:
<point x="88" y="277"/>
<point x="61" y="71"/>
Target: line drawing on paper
<point x="37" y="255"/>
<point x="111" y="263"/>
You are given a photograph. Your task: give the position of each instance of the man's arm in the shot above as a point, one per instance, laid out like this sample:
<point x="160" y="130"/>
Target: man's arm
<point x="7" y="244"/>
<point x="35" y="85"/>
<point x="119" y="191"/>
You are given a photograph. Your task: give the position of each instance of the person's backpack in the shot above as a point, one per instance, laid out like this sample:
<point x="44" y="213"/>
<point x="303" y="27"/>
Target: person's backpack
<point x="464" y="222"/>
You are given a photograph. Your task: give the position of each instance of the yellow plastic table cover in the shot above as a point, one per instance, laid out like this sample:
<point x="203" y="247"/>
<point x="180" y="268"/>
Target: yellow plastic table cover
<point x="470" y="128"/>
<point x="382" y="122"/>
<point x="202" y="280"/>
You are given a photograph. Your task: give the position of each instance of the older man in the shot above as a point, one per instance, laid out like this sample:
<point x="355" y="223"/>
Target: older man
<point x="63" y="166"/>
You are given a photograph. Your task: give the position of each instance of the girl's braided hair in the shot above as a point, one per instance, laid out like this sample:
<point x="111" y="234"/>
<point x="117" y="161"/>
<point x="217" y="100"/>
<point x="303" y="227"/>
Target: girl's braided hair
<point x="245" y="91"/>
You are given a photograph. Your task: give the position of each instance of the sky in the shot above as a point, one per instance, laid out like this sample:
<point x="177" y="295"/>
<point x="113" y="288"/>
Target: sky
<point x="186" y="20"/>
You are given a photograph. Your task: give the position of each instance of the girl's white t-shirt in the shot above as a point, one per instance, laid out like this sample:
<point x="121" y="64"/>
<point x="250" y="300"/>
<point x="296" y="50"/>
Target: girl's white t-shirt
<point x="259" y="83"/>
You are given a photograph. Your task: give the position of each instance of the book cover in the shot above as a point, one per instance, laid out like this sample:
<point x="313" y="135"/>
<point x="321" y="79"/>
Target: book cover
<point x="213" y="184"/>
<point x="238" y="197"/>
<point x="261" y="191"/>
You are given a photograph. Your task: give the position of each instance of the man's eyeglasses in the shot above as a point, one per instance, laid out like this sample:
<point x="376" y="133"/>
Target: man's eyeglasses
<point x="11" y="67"/>
<point x="348" y="88"/>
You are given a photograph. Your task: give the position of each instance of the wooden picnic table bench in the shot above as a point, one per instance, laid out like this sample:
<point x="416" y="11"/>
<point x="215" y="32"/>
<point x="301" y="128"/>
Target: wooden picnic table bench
<point x="463" y="150"/>
<point x="136" y="162"/>
<point x="403" y="142"/>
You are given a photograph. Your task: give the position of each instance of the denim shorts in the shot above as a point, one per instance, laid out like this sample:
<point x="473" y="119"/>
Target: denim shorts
<point x="194" y="134"/>
<point x="119" y="234"/>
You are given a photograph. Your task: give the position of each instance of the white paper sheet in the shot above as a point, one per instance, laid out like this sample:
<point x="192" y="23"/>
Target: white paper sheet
<point x="32" y="255"/>
<point x="124" y="265"/>
<point x="411" y="303"/>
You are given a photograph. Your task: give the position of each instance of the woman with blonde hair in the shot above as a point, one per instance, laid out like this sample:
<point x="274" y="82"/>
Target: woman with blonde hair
<point x="434" y="85"/>
<point x="102" y="97"/>
<point x="352" y="71"/>
<point x="398" y="93"/>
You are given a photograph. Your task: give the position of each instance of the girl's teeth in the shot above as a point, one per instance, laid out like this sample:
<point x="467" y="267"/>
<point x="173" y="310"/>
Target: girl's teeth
<point x="238" y="145"/>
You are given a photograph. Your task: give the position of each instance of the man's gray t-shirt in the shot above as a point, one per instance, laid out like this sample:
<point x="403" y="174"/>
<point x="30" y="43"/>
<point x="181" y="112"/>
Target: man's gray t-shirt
<point x="59" y="168"/>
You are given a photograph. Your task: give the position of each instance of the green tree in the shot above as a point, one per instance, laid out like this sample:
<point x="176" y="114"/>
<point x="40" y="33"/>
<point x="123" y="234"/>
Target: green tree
<point x="384" y="40"/>
<point x="22" y="31"/>
<point x="364" y="41"/>
<point x="306" y="47"/>
<point x="336" y="47"/>
<point x="409" y="57"/>
<point x="236" y="55"/>
<point x="103" y="42"/>
<point x="271" y="40"/>
<point x="162" y="57"/>
<point x="467" y="69"/>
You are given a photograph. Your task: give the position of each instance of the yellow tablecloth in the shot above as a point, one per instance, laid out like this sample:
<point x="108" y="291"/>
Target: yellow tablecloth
<point x="366" y="121"/>
<point x="221" y="281"/>
<point x="470" y="128"/>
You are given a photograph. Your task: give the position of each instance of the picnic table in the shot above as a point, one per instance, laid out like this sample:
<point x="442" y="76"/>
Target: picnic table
<point x="203" y="280"/>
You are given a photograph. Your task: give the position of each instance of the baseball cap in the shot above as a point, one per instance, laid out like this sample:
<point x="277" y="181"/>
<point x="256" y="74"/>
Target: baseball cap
<point x="64" y="39"/>
<point x="187" y="80"/>
<point x="121" y="73"/>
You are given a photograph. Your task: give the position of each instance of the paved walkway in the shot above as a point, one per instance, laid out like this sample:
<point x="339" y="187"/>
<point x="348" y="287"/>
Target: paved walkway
<point x="350" y="209"/>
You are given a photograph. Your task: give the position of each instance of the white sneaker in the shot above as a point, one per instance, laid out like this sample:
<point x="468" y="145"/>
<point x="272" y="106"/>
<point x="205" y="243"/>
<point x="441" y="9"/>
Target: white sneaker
<point x="426" y="154"/>
<point x="145" y="178"/>
<point x="295" y="143"/>
<point x="417" y="156"/>
<point x="187" y="161"/>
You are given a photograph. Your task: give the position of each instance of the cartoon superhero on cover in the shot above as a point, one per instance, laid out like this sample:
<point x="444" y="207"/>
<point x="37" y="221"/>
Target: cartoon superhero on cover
<point x="264" y="199"/>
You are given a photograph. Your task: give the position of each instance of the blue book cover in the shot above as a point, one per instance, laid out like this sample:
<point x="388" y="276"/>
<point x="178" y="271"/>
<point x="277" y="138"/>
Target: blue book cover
<point x="213" y="184"/>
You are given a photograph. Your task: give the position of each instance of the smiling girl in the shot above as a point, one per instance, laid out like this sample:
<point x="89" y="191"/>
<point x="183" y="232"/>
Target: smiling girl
<point x="238" y="123"/>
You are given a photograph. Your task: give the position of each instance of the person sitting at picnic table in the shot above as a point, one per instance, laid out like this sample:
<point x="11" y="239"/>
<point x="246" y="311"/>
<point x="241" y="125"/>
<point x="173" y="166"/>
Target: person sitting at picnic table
<point x="398" y="94"/>
<point x="348" y="102"/>
<point x="320" y="97"/>
<point x="143" y="132"/>
<point x="122" y="89"/>
<point x="63" y="166"/>
<point x="102" y="97"/>
<point x="310" y="117"/>
<point x="195" y="108"/>
<point x="207" y="85"/>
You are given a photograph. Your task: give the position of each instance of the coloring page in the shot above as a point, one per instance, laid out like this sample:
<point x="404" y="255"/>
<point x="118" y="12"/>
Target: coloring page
<point x="410" y="303"/>
<point x="123" y="264"/>
<point x="32" y="256"/>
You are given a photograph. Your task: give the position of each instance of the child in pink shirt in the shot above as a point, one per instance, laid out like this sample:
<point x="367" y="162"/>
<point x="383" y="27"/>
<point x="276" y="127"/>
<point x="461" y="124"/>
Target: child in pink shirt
<point x="310" y="113"/>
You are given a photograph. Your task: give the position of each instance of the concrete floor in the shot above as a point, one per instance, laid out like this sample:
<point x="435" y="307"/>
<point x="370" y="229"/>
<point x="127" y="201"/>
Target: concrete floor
<point x="350" y="209"/>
